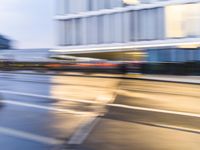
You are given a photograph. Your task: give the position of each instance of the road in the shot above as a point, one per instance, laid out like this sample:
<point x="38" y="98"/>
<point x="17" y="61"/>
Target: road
<point x="49" y="112"/>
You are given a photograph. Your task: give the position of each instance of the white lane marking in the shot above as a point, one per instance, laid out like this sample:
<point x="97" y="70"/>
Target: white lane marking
<point x="45" y="107"/>
<point x="177" y="128"/>
<point x="112" y="105"/>
<point x="83" y="132"/>
<point x="48" y="97"/>
<point x="29" y="136"/>
<point x="155" y="110"/>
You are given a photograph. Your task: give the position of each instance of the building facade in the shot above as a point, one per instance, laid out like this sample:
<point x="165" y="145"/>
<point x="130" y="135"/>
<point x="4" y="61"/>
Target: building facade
<point x="4" y="43"/>
<point x="166" y="30"/>
<point x="26" y="55"/>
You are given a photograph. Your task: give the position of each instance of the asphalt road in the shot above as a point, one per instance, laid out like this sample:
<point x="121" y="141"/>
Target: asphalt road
<point x="46" y="112"/>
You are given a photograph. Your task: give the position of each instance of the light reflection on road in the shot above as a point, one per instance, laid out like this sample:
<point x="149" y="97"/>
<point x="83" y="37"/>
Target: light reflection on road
<point x="99" y="90"/>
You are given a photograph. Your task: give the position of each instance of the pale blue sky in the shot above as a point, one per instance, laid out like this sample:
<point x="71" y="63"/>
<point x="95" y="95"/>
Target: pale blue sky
<point x="29" y="22"/>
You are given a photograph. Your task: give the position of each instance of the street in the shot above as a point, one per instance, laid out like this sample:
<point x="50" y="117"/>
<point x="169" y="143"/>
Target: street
<point x="52" y="112"/>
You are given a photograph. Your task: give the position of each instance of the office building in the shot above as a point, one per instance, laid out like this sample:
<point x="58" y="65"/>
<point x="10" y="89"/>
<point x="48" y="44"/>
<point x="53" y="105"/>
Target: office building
<point x="159" y="30"/>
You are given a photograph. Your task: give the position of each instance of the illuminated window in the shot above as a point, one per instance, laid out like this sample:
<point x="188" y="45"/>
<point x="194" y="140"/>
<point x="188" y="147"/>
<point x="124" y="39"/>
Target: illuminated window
<point x="182" y="20"/>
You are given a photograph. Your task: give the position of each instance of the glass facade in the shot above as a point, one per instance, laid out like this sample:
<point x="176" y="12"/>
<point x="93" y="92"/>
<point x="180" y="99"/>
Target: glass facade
<point x="77" y="6"/>
<point x="173" y="55"/>
<point x="157" y="23"/>
<point x="129" y="25"/>
<point x="114" y="28"/>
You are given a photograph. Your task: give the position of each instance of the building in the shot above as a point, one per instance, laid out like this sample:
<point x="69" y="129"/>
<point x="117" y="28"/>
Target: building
<point x="153" y="30"/>
<point x="4" y="43"/>
<point x="26" y="55"/>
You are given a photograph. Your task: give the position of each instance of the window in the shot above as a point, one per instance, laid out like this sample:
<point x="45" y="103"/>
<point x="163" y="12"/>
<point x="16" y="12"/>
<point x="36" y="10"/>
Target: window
<point x="118" y="28"/>
<point x="107" y="29"/>
<point x="126" y="26"/>
<point x="182" y="20"/>
<point x="61" y="33"/>
<point x="113" y="28"/>
<point x="101" y="4"/>
<point x="107" y="4"/>
<point x="134" y="25"/>
<point x="181" y="55"/>
<point x="92" y="30"/>
<point x="100" y="23"/>
<point x="90" y="5"/>
<point x="79" y="31"/>
<point x="68" y="32"/>
<point x="60" y="7"/>
<point x="142" y="27"/>
<point x="152" y="55"/>
<point x="94" y="4"/>
<point x="147" y="24"/>
<point x="116" y="3"/>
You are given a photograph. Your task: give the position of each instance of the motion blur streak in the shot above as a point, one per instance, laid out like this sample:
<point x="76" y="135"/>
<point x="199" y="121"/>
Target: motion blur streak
<point x="83" y="112"/>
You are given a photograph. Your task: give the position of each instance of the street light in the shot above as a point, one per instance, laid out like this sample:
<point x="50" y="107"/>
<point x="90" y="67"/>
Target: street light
<point x="131" y="2"/>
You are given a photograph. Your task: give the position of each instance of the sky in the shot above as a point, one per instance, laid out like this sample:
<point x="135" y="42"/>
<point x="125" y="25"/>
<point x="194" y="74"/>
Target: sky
<point x="28" y="22"/>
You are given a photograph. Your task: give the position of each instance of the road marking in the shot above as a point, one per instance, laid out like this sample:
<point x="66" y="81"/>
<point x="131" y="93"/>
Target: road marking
<point x="29" y="136"/>
<point x="48" y="97"/>
<point x="155" y="110"/>
<point x="178" y="128"/>
<point x="111" y="105"/>
<point x="45" y="107"/>
<point x="83" y="132"/>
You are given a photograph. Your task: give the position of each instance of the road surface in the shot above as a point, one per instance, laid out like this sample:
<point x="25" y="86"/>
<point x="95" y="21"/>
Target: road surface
<point x="49" y="112"/>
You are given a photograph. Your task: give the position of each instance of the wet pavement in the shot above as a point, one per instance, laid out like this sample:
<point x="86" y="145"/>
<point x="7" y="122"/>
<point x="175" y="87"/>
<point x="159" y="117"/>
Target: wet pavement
<point x="47" y="112"/>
